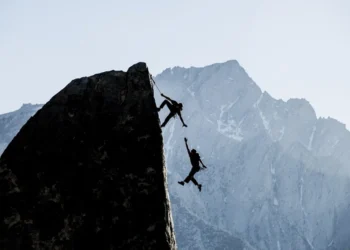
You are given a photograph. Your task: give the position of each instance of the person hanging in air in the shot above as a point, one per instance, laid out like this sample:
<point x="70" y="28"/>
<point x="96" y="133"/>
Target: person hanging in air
<point x="195" y="160"/>
<point x="174" y="107"/>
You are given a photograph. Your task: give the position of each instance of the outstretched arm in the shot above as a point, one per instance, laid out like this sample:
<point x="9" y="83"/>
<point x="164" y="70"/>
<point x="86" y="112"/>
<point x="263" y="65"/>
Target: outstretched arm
<point x="166" y="97"/>
<point x="188" y="150"/>
<point x="182" y="119"/>
<point x="202" y="163"/>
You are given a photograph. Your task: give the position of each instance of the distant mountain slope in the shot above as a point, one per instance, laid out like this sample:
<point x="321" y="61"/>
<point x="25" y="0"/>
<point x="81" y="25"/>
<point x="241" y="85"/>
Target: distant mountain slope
<point x="277" y="175"/>
<point x="11" y="123"/>
<point x="192" y="233"/>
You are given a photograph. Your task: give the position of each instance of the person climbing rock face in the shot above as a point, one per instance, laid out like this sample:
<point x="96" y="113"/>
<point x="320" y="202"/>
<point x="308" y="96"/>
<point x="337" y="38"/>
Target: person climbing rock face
<point x="174" y="107"/>
<point x="195" y="160"/>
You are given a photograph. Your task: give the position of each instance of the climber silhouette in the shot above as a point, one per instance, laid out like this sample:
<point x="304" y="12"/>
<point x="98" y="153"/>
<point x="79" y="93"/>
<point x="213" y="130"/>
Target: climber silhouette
<point x="195" y="160"/>
<point x="174" y="107"/>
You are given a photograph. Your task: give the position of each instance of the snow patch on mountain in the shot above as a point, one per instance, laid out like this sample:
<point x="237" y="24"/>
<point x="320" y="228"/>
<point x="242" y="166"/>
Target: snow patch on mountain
<point x="277" y="175"/>
<point x="263" y="118"/>
<point x="311" y="138"/>
<point x="227" y="126"/>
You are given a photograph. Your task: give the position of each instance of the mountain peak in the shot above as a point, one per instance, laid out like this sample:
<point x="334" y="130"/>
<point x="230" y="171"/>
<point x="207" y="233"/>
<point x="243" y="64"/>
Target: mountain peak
<point x="218" y="72"/>
<point x="231" y="62"/>
<point x="302" y="106"/>
<point x="172" y="70"/>
<point x="29" y="106"/>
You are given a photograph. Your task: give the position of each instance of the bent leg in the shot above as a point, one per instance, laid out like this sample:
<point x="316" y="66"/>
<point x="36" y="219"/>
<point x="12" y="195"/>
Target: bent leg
<point x="167" y="119"/>
<point x="194" y="181"/>
<point x="190" y="176"/>
<point x="165" y="102"/>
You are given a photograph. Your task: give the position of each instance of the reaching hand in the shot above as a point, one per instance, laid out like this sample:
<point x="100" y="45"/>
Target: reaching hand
<point x="162" y="94"/>
<point x="185" y="139"/>
<point x="184" y="125"/>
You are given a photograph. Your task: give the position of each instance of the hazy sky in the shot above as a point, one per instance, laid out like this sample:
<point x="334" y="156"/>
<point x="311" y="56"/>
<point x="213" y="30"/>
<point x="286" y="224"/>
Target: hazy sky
<point x="294" y="48"/>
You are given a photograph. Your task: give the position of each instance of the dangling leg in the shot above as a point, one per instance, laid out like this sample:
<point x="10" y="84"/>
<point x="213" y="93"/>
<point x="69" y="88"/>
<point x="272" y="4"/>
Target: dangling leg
<point x="183" y="182"/>
<point x="190" y="175"/>
<point x="165" y="102"/>
<point x="167" y="119"/>
<point x="196" y="183"/>
<point x="188" y="178"/>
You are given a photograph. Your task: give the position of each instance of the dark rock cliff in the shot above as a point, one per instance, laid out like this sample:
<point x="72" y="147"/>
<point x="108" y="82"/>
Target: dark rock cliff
<point x="87" y="170"/>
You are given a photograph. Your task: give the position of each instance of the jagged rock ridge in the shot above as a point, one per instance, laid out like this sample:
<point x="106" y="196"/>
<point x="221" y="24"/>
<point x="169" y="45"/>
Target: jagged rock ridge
<point x="87" y="170"/>
<point x="277" y="176"/>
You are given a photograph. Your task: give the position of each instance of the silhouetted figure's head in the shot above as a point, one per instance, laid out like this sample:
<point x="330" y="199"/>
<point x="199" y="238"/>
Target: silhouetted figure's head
<point x="180" y="106"/>
<point x="193" y="151"/>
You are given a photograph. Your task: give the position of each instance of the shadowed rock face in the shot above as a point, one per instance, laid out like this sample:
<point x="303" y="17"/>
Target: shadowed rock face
<point x="87" y="170"/>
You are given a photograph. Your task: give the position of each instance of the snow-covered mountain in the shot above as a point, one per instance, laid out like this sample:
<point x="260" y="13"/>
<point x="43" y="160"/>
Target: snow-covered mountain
<point x="11" y="123"/>
<point x="277" y="176"/>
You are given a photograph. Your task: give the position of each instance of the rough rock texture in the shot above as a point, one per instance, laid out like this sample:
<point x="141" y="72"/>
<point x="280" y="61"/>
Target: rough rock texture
<point x="87" y="170"/>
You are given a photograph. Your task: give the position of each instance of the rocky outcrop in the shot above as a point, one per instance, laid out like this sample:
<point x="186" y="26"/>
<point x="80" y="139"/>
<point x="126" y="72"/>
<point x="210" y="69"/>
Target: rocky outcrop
<point x="87" y="170"/>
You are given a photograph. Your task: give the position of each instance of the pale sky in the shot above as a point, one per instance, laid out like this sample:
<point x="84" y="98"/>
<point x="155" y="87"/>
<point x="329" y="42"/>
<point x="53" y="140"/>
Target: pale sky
<point x="291" y="48"/>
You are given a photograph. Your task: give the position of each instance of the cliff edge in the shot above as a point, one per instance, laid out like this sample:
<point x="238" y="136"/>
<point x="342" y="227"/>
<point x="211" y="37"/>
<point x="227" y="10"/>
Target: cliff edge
<point x="87" y="170"/>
